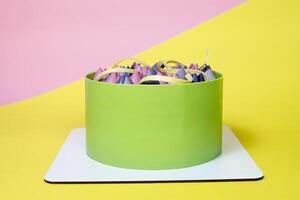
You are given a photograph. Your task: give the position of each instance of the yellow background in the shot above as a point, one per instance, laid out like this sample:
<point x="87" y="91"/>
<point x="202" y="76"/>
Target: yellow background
<point x="255" y="45"/>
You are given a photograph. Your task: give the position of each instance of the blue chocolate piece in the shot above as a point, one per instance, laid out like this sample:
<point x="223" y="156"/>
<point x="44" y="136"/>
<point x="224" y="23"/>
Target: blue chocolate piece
<point x="195" y="78"/>
<point x="153" y="70"/>
<point x="121" y="79"/>
<point x="201" y="78"/>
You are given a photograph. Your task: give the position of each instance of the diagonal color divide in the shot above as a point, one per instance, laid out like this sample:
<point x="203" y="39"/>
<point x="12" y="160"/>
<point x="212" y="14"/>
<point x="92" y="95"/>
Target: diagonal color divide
<point x="45" y="45"/>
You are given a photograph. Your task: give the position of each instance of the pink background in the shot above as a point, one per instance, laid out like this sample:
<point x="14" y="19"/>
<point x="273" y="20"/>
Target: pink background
<point x="47" y="44"/>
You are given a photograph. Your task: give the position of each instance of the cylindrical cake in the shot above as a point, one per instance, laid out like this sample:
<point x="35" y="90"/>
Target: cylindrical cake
<point x="154" y="126"/>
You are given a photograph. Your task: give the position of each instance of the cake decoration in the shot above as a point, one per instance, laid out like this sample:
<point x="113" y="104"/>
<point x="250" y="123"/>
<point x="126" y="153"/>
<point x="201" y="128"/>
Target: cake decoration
<point x="139" y="72"/>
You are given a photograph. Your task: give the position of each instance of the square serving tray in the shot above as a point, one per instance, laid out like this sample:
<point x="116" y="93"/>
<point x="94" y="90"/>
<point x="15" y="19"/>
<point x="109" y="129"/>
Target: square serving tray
<point x="72" y="165"/>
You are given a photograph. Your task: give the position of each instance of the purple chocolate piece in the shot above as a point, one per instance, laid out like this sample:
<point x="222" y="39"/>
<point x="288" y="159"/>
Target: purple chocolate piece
<point x="113" y="78"/>
<point x="145" y="70"/>
<point x="127" y="80"/>
<point x="154" y="69"/>
<point x="207" y="70"/>
<point x="163" y="73"/>
<point x="136" y="77"/>
<point x="138" y="68"/>
<point x="134" y="65"/>
<point x="178" y="66"/>
<point x="123" y="74"/>
<point x="210" y="74"/>
<point x="181" y="74"/>
<point x="97" y="73"/>
<point x="192" y="66"/>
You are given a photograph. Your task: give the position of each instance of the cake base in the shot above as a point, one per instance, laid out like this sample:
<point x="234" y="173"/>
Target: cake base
<point x="72" y="165"/>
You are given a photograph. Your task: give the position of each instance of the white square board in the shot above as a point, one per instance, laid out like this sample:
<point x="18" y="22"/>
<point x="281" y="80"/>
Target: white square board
<point x="72" y="165"/>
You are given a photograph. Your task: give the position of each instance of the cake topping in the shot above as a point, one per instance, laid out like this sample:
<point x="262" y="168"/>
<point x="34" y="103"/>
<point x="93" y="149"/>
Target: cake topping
<point x="138" y="72"/>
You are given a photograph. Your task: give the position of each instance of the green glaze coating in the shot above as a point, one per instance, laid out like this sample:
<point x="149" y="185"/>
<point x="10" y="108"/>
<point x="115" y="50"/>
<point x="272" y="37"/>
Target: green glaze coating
<point x="154" y="126"/>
